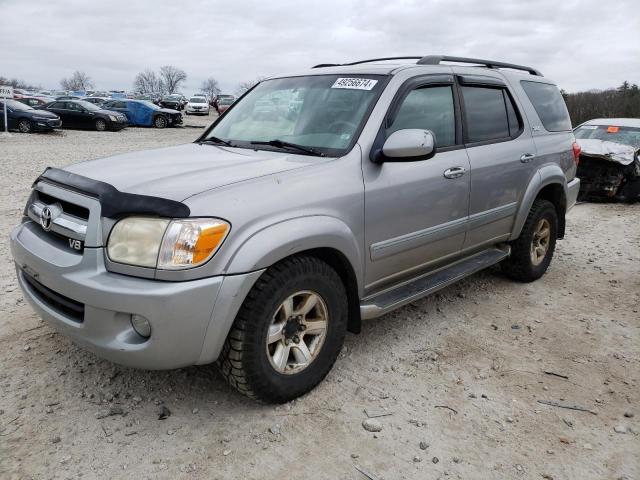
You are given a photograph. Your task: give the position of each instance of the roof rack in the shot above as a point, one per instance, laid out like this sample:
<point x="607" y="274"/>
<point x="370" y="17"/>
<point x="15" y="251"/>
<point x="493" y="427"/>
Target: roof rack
<point x="437" y="59"/>
<point x="323" y="65"/>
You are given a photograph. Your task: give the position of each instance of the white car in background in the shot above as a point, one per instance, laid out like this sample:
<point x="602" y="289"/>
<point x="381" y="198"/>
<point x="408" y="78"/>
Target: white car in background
<point x="197" y="105"/>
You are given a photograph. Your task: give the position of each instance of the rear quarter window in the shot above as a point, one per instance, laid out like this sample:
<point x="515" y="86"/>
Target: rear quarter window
<point x="549" y="105"/>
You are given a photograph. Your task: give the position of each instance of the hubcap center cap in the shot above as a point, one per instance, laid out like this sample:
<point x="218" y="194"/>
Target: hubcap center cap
<point x="291" y="328"/>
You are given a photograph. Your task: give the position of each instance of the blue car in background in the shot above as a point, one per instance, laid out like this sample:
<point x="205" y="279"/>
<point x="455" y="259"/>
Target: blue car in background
<point x="142" y="113"/>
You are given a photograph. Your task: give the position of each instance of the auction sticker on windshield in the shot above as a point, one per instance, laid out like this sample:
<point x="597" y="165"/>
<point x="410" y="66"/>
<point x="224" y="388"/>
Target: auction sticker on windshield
<point x="355" y="83"/>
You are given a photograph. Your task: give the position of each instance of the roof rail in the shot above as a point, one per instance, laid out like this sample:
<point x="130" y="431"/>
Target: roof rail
<point x="436" y="59"/>
<point x="322" y="65"/>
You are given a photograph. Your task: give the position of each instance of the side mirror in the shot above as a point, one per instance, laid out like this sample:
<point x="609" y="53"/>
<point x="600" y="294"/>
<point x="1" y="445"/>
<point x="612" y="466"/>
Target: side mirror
<point x="409" y="145"/>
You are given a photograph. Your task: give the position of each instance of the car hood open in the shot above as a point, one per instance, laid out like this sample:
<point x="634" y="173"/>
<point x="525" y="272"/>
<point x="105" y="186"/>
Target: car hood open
<point x="180" y="172"/>
<point x="612" y="151"/>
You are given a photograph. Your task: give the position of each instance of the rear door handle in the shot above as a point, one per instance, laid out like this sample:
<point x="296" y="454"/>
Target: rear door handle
<point x="527" y="157"/>
<point x="454" y="172"/>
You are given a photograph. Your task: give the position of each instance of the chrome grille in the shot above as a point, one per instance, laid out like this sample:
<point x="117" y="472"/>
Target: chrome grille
<point x="59" y="222"/>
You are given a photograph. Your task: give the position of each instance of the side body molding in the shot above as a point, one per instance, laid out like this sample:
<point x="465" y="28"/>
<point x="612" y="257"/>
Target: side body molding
<point x="547" y="175"/>
<point x="280" y="240"/>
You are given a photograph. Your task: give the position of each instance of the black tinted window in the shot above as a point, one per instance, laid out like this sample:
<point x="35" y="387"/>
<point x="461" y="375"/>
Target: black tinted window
<point x="429" y="108"/>
<point x="58" y="105"/>
<point x="549" y="105"/>
<point x="486" y="114"/>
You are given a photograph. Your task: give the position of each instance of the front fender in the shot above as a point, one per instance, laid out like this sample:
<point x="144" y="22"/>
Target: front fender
<point x="547" y="175"/>
<point x="283" y="239"/>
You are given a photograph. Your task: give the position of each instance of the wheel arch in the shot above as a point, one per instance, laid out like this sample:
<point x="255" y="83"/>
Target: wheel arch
<point x="324" y="237"/>
<point x="550" y="184"/>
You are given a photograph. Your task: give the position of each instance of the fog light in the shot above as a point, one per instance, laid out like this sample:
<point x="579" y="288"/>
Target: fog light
<point x="141" y="325"/>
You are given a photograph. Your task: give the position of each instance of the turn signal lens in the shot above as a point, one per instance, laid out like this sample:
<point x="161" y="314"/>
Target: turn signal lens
<point x="191" y="242"/>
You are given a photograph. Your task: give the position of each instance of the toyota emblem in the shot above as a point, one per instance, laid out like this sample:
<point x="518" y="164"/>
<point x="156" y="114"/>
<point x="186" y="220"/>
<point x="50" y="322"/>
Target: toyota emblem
<point x="46" y="218"/>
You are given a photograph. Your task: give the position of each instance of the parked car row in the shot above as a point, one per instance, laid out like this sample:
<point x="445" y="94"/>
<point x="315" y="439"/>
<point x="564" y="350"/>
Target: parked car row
<point x="26" y="115"/>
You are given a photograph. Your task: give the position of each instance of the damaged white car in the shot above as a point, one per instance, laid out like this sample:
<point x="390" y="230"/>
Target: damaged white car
<point x="609" y="166"/>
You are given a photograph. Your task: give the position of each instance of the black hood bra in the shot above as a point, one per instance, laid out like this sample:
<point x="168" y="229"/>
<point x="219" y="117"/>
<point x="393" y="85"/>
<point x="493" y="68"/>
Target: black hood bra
<point x="113" y="202"/>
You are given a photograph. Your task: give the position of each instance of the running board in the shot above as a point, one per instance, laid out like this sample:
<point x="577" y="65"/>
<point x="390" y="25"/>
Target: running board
<point x="414" y="289"/>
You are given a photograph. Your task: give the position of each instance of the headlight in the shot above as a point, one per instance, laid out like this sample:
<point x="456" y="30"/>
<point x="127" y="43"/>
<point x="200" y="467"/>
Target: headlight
<point x="113" y="118"/>
<point x="166" y="244"/>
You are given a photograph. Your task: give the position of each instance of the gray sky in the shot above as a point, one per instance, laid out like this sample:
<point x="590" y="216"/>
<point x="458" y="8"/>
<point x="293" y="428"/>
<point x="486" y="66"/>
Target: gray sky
<point x="581" y="44"/>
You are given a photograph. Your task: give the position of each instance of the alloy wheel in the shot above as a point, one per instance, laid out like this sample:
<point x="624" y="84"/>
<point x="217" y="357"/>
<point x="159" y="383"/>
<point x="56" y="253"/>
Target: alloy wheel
<point x="540" y="241"/>
<point x="297" y="332"/>
<point x="24" y="126"/>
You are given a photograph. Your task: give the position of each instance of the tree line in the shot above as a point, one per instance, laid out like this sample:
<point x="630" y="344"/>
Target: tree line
<point x="168" y="79"/>
<point x="621" y="102"/>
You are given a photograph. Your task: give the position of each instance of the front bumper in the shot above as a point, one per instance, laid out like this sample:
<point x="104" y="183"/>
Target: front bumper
<point x="189" y="320"/>
<point x="119" y="125"/>
<point x="202" y="110"/>
<point x="45" y="125"/>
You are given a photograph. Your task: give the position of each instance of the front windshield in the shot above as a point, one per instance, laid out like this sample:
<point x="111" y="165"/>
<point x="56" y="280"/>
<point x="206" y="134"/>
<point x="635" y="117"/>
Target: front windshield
<point x="323" y="112"/>
<point x="15" y="105"/>
<point x="197" y="100"/>
<point x="88" y="105"/>
<point x="625" y="135"/>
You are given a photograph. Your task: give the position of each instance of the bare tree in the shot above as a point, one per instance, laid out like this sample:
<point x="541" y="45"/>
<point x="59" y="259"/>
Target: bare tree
<point x="172" y="77"/>
<point x="210" y="87"/>
<point x="147" y="82"/>
<point x="78" y="81"/>
<point x="17" y="83"/>
<point x="244" y="86"/>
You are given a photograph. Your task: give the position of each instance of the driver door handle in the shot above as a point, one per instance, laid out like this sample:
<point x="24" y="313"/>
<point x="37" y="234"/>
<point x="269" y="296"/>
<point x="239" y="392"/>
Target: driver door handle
<point x="527" y="157"/>
<point x="454" y="172"/>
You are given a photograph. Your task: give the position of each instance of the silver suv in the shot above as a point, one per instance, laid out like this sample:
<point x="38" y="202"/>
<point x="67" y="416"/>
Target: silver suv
<point x="318" y="200"/>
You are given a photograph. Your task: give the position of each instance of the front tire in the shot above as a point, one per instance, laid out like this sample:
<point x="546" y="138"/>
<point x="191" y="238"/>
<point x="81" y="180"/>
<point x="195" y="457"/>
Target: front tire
<point x="288" y="332"/>
<point x="532" y="251"/>
<point x="160" y="122"/>
<point x="101" y="125"/>
<point x="25" y="126"/>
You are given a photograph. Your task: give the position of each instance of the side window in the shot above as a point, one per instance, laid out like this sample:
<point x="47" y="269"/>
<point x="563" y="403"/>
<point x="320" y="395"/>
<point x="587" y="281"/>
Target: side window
<point x="60" y="105"/>
<point x="549" y="105"/>
<point x="428" y="108"/>
<point x="486" y="114"/>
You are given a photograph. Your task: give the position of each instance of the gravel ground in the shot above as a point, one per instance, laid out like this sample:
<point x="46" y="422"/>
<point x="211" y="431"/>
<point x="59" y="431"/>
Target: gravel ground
<point x="454" y="382"/>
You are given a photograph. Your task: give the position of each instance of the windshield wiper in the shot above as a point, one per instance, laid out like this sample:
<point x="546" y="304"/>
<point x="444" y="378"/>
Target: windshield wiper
<point x="282" y="144"/>
<point x="216" y="141"/>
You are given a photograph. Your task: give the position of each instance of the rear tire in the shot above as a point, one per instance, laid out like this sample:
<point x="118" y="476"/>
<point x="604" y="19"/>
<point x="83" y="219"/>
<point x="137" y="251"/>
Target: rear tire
<point x="101" y="125"/>
<point x="532" y="251"/>
<point x="279" y="346"/>
<point x="160" y="122"/>
<point x="25" y="126"/>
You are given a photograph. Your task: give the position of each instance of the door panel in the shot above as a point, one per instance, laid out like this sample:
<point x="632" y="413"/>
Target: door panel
<point x="500" y="152"/>
<point x="414" y="215"/>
